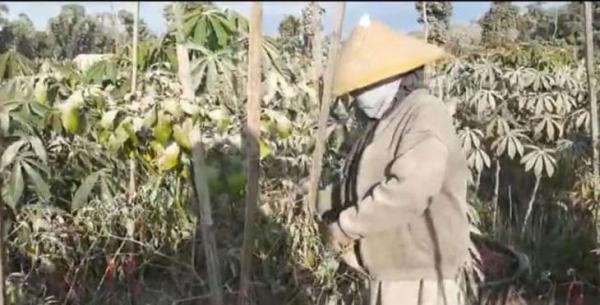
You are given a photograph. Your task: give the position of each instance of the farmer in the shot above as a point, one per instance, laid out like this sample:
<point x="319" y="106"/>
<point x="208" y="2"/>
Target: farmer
<point x="399" y="214"/>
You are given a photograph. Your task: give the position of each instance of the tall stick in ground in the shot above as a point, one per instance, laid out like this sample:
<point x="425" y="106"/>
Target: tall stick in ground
<point x="130" y="247"/>
<point x="201" y="190"/>
<point x="317" y="52"/>
<point x="589" y="58"/>
<point x="254" y="94"/>
<point x="317" y="159"/>
<point x="426" y="35"/>
<point x="2" y="260"/>
<point x="134" y="48"/>
<point x="134" y="53"/>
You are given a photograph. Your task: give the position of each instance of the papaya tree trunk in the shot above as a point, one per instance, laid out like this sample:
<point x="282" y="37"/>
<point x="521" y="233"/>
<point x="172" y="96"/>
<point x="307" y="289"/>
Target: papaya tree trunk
<point x="254" y="93"/>
<point x="317" y="159"/>
<point x="201" y="190"/>
<point x="530" y="205"/>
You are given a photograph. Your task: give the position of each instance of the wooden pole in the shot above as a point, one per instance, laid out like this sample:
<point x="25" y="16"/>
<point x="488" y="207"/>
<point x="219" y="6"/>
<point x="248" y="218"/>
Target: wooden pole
<point x="317" y="52"/>
<point x="201" y="190"/>
<point x="426" y="69"/>
<point x="132" y="165"/>
<point x="254" y="93"/>
<point x="2" y="253"/>
<point x="426" y="26"/>
<point x="589" y="57"/>
<point x="136" y="17"/>
<point x="315" y="172"/>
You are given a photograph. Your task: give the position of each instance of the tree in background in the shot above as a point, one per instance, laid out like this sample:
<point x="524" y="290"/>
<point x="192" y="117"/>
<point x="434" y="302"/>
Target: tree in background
<point x="438" y="19"/>
<point x="290" y="34"/>
<point x="539" y="23"/>
<point x="126" y="19"/>
<point x="75" y="32"/>
<point x="500" y="24"/>
<point x="308" y="31"/>
<point x="20" y="35"/>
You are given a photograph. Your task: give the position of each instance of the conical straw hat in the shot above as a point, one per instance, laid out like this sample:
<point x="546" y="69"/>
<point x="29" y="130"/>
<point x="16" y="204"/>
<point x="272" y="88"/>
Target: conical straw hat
<point x="375" y="52"/>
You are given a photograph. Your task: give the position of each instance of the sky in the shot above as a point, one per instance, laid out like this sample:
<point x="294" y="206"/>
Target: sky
<point x="402" y="16"/>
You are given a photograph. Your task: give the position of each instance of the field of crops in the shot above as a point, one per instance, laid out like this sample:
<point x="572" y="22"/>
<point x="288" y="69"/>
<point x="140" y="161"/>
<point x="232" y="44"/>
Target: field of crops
<point x="97" y="146"/>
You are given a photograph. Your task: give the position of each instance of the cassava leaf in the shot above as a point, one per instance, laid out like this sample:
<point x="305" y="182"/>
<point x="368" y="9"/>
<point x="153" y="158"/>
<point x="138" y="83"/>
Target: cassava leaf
<point x="84" y="191"/>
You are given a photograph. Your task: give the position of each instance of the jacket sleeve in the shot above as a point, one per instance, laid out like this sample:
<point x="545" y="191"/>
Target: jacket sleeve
<point x="414" y="176"/>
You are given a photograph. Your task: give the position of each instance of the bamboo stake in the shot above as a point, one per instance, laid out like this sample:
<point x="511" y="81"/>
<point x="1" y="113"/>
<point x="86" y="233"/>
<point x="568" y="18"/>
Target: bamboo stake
<point x="317" y="52"/>
<point x="315" y="172"/>
<point x="136" y="18"/>
<point x="253" y="153"/>
<point x="589" y="58"/>
<point x="425" y="24"/>
<point x="132" y="165"/>
<point x="201" y="190"/>
<point x="426" y="69"/>
<point x="2" y="252"/>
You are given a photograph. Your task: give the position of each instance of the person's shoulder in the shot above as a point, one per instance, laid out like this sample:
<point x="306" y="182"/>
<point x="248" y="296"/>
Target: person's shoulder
<point x="430" y="105"/>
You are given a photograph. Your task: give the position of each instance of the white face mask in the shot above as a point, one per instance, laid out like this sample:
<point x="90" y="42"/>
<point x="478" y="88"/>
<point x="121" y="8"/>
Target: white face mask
<point x="376" y="101"/>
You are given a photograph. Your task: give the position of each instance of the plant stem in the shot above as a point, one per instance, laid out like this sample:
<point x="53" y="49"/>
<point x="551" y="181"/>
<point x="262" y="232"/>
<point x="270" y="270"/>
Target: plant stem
<point x="254" y="94"/>
<point x="496" y="189"/>
<point x="530" y="205"/>
<point x="201" y="189"/>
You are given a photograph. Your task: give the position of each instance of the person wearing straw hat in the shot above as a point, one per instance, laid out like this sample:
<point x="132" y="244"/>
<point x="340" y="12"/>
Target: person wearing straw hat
<point x="399" y="214"/>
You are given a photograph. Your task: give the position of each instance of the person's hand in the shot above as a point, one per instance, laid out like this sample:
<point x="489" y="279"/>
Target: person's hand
<point x="337" y="239"/>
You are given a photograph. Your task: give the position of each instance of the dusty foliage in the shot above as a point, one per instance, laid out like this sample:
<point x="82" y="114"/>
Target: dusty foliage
<point x="68" y="131"/>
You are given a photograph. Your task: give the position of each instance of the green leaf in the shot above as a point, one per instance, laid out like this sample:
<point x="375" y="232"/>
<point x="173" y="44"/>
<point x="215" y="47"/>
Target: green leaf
<point x="105" y="192"/>
<point x="108" y="119"/>
<point x="170" y="157"/>
<point x="41" y="187"/>
<point x="512" y="149"/>
<point x="162" y="131"/>
<point x="190" y="108"/>
<point x="173" y="107"/>
<point x="16" y="186"/>
<point x="84" y="191"/>
<point x="70" y="119"/>
<point x="549" y="166"/>
<point x="265" y="150"/>
<point x="10" y="153"/>
<point x="41" y="92"/>
<point x="181" y="134"/>
<point x="539" y="166"/>
<point x="150" y="117"/>
<point x="39" y="149"/>
<point x="219" y="32"/>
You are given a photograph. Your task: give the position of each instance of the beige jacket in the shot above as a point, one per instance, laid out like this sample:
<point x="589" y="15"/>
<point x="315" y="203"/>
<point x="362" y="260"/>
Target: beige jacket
<point x="410" y="221"/>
